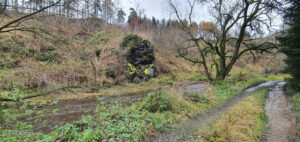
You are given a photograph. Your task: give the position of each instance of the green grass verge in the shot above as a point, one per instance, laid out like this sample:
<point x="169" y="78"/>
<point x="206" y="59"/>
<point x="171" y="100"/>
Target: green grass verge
<point x="244" y="122"/>
<point x="296" y="108"/>
<point x="296" y="104"/>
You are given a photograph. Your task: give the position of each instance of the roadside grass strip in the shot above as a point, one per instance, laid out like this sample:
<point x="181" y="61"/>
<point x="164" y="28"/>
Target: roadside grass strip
<point x="244" y="122"/>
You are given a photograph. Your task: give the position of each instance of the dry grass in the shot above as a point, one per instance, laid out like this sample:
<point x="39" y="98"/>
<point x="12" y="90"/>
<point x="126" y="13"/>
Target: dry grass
<point x="74" y="44"/>
<point x="244" y="122"/>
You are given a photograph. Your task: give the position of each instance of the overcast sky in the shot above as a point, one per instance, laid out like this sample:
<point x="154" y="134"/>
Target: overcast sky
<point x="160" y="9"/>
<point x="156" y="8"/>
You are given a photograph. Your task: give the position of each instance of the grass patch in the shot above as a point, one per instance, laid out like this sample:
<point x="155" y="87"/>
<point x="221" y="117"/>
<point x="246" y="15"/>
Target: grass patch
<point x="296" y="108"/>
<point x="114" y="124"/>
<point x="244" y="122"/>
<point x="296" y="104"/>
<point x="221" y="91"/>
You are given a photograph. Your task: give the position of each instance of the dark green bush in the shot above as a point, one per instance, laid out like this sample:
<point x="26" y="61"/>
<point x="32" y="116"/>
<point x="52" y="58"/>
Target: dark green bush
<point x="9" y="65"/>
<point x="131" y="41"/>
<point x="45" y="57"/>
<point x="48" y="56"/>
<point x="158" y="101"/>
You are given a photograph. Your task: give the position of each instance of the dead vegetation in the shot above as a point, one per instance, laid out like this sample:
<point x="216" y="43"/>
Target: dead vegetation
<point x="67" y="56"/>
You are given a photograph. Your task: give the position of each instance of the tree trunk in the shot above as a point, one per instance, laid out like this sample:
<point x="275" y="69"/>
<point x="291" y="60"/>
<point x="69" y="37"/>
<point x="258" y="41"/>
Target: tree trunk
<point x="77" y="11"/>
<point x="222" y="75"/>
<point x="60" y="10"/>
<point x="3" y="7"/>
<point x="30" y="7"/>
<point x="23" y="6"/>
<point x="88" y="9"/>
<point x="207" y="74"/>
<point x="5" y="4"/>
<point x="68" y="12"/>
<point x="222" y="71"/>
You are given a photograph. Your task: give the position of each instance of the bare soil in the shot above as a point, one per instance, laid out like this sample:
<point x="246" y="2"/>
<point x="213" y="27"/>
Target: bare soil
<point x="281" y="119"/>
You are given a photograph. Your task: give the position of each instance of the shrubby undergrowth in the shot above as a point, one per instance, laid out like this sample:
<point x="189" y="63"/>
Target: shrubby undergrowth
<point x="158" y="101"/>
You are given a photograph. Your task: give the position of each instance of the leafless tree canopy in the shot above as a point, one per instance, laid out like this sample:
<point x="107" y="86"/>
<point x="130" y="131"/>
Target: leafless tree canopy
<point x="235" y="30"/>
<point x="104" y="9"/>
<point x="14" y="25"/>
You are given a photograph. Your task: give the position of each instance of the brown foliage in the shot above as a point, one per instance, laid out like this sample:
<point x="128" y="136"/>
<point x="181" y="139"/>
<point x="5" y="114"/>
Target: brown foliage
<point x="194" y="28"/>
<point x="209" y="27"/>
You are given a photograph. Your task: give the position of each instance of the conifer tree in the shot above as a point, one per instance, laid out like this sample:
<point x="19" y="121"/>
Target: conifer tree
<point x="291" y="43"/>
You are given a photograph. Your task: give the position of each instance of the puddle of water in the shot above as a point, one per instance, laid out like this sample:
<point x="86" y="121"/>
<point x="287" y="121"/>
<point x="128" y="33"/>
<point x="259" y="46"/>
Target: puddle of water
<point x="195" y="88"/>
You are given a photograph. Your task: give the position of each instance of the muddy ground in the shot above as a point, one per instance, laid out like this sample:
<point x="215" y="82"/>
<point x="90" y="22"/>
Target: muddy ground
<point x="281" y="119"/>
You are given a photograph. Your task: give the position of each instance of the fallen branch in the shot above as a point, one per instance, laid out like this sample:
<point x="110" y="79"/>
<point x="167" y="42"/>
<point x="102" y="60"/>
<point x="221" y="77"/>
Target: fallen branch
<point x="7" y="100"/>
<point x="37" y="95"/>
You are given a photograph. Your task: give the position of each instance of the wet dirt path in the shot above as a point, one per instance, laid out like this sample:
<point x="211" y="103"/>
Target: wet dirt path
<point x="188" y="130"/>
<point x="281" y="119"/>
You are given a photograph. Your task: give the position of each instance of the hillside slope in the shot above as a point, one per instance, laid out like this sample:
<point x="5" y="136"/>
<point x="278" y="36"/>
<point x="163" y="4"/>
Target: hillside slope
<point x="65" y="55"/>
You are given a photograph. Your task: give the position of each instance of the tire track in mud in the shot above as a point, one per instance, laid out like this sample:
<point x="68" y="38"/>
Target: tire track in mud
<point x="188" y="129"/>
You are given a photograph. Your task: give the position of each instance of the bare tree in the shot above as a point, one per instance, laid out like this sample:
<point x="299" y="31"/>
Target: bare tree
<point x="3" y="6"/>
<point x="14" y="25"/>
<point x="16" y="5"/>
<point x="223" y="40"/>
<point x="133" y="19"/>
<point x="97" y="7"/>
<point x="121" y="16"/>
<point x="108" y="10"/>
<point x="68" y="7"/>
